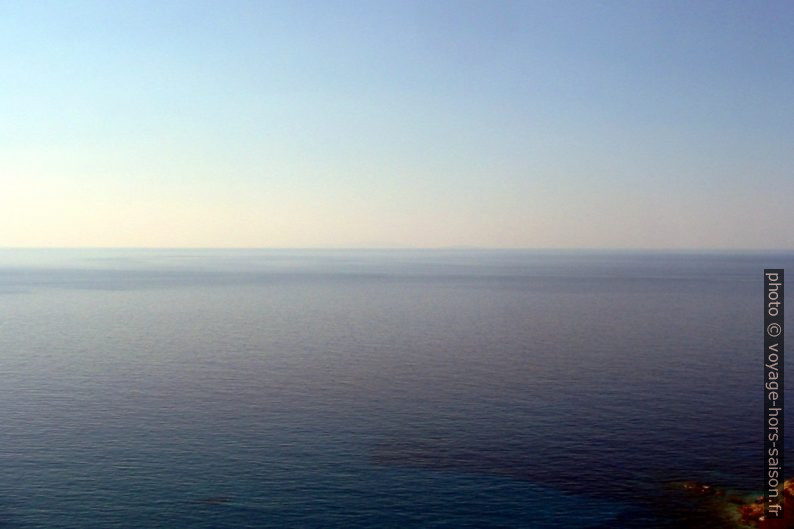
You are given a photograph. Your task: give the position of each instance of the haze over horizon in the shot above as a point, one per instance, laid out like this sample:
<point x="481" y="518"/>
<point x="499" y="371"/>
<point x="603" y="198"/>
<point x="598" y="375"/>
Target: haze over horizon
<point x="616" y="125"/>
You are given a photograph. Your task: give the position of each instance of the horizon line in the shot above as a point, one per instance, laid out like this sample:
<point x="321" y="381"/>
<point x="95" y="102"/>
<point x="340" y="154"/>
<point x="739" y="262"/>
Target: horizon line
<point x="413" y="248"/>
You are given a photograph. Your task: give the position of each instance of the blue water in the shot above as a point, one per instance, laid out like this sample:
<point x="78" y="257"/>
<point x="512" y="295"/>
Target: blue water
<point x="377" y="389"/>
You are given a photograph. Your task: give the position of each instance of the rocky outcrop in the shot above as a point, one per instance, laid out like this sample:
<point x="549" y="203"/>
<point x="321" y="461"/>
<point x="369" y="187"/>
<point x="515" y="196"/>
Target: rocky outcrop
<point x="747" y="512"/>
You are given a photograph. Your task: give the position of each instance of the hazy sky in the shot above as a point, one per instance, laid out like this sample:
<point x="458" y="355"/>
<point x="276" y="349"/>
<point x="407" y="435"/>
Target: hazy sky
<point x="413" y="124"/>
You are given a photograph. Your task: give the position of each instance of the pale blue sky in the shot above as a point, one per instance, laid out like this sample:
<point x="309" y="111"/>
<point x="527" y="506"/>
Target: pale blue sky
<point x="411" y="124"/>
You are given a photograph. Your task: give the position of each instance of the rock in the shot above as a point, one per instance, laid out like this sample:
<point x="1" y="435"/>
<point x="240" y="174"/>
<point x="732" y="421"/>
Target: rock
<point x="749" y="512"/>
<point x="752" y="512"/>
<point x="788" y="489"/>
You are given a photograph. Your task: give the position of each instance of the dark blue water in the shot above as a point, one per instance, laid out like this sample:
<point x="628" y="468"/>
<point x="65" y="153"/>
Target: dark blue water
<point x="331" y="389"/>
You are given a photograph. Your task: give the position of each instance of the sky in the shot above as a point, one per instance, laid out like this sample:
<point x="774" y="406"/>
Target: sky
<point x="421" y="124"/>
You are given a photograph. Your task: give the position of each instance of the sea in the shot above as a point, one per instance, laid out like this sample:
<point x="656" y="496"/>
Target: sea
<point x="460" y="388"/>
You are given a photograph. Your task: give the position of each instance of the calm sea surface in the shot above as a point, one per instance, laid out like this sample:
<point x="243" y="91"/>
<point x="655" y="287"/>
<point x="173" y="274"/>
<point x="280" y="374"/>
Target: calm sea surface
<point x="376" y="389"/>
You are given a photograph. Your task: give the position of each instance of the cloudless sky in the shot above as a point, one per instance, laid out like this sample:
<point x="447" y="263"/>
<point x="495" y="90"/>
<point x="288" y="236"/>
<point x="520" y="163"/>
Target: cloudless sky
<point x="554" y="124"/>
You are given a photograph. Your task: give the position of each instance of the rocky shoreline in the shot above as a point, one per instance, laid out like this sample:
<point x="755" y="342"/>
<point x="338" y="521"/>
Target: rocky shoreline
<point x="745" y="511"/>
